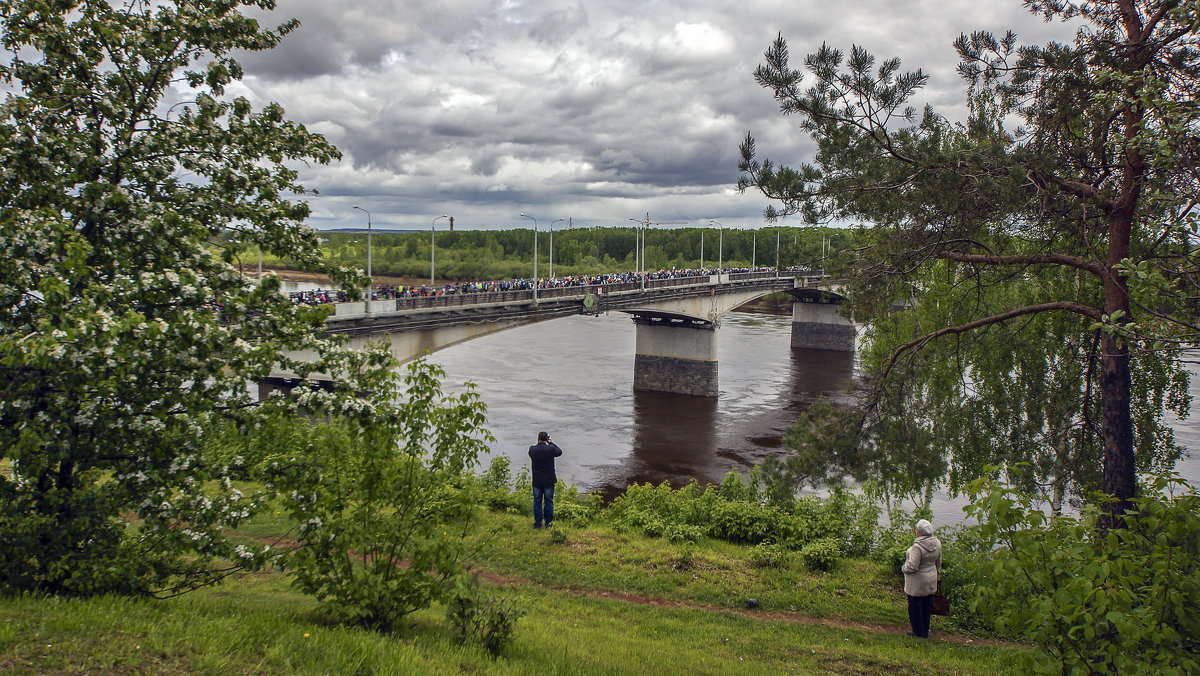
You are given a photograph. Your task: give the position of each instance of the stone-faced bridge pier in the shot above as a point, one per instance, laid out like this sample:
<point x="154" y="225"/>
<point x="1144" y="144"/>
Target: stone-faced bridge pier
<point x="676" y="322"/>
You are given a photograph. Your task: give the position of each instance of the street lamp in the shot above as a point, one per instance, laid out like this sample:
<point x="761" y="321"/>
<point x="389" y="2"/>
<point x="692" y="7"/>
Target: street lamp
<point x="639" y="249"/>
<point x="720" y="248"/>
<point x="552" y="246"/>
<point x="370" y="279"/>
<point x="535" y="277"/>
<point x="432" y="248"/>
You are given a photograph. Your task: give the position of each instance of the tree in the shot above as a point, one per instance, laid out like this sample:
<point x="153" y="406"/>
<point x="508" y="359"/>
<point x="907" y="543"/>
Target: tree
<point x="128" y="336"/>
<point x="383" y="496"/>
<point x="1088" y="209"/>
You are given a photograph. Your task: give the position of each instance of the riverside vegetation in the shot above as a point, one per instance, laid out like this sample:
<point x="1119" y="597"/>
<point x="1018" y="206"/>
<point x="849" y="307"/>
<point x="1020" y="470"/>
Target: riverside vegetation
<point x="345" y="530"/>
<point x="405" y="563"/>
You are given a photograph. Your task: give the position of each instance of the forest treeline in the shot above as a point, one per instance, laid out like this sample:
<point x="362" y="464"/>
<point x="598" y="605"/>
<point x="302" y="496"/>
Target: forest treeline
<point x="503" y="254"/>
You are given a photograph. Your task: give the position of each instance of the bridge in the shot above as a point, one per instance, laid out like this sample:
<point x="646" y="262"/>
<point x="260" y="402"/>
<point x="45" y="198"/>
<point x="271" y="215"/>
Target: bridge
<point x="676" y="321"/>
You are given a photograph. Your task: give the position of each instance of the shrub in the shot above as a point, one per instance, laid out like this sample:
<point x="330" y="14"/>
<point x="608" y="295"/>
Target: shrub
<point x="745" y="522"/>
<point x="486" y="620"/>
<point x="572" y="512"/>
<point x="667" y="504"/>
<point x="653" y="527"/>
<point x="769" y="555"/>
<point x="1115" y="601"/>
<point x="679" y="532"/>
<point x="821" y="554"/>
<point x="732" y="488"/>
<point x="384" y="509"/>
<point x="498" y="475"/>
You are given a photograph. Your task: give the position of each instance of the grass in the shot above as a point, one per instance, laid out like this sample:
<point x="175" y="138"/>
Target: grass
<point x="255" y="624"/>
<point x="598" y="602"/>
<point x="711" y="573"/>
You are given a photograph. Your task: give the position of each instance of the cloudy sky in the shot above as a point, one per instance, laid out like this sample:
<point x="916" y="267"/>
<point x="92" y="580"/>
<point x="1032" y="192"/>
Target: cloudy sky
<point x="596" y="112"/>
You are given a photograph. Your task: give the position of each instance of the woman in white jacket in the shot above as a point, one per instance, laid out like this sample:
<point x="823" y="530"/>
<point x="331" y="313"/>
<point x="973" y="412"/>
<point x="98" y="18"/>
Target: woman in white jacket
<point x="922" y="570"/>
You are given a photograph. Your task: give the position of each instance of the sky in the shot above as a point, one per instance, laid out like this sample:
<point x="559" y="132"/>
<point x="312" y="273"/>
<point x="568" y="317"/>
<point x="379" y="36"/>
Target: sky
<point x="593" y="113"/>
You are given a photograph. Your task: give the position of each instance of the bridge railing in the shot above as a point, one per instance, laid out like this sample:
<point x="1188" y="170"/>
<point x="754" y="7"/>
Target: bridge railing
<point x="483" y="297"/>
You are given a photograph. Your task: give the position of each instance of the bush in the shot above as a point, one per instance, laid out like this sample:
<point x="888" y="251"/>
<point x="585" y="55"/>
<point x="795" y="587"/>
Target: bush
<point x="384" y="509"/>
<point x="498" y="475"/>
<point x="679" y="532"/>
<point x="821" y="554"/>
<point x="572" y="513"/>
<point x="769" y="555"/>
<point x="1116" y="601"/>
<point x="474" y="617"/>
<point x="745" y="522"/>
<point x="732" y="488"/>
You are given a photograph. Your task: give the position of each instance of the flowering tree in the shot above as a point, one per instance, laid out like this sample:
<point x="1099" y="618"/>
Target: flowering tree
<point x="130" y="184"/>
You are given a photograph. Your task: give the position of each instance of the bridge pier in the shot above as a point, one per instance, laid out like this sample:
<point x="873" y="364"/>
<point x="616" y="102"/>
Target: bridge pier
<point x="818" y="324"/>
<point x="675" y="353"/>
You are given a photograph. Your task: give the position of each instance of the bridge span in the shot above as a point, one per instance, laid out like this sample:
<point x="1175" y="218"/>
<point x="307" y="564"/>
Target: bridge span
<point x="676" y="321"/>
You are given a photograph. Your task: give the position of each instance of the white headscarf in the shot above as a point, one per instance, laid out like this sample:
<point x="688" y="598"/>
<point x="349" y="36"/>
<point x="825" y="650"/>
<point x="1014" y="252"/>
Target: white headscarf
<point x="924" y="527"/>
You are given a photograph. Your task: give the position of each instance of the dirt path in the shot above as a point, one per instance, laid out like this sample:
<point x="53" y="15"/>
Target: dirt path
<point x="769" y="615"/>
<point x="504" y="580"/>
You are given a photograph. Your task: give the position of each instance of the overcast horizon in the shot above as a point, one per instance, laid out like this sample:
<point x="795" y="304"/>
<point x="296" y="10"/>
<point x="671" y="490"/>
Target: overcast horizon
<point x="598" y="113"/>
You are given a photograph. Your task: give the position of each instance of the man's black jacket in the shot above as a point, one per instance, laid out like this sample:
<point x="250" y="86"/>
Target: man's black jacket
<point x="543" y="454"/>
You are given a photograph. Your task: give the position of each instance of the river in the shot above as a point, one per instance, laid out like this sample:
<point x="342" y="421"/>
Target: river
<point x="573" y="377"/>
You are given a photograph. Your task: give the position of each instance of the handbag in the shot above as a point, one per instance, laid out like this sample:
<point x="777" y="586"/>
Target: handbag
<point x="941" y="604"/>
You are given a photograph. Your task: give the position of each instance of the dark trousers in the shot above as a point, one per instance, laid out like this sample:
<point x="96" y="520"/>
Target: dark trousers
<point x="543" y="505"/>
<point x="920" y="608"/>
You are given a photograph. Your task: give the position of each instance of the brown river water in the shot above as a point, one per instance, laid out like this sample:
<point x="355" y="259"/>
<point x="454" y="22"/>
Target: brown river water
<point x="573" y="377"/>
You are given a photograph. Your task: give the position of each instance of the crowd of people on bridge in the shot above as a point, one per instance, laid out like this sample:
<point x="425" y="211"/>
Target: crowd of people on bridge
<point x="388" y="292"/>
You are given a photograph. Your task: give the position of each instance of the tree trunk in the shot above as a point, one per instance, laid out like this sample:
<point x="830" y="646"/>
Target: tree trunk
<point x="1117" y="427"/>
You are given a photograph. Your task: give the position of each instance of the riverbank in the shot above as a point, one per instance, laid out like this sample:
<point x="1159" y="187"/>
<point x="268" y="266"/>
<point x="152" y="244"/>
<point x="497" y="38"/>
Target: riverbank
<point x="597" y="602"/>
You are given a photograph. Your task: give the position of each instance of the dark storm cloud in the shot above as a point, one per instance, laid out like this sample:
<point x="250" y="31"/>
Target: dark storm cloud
<point x="600" y="112"/>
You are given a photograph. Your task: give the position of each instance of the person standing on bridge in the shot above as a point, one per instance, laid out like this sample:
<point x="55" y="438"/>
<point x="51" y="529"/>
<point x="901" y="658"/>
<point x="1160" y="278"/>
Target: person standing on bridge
<point x="542" y="455"/>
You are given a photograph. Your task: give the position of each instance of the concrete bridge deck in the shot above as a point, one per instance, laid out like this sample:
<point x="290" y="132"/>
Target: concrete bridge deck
<point x="668" y="358"/>
<point x="433" y="312"/>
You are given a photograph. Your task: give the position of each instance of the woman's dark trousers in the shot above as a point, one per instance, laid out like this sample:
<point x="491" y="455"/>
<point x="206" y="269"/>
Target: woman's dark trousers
<point x="920" y="608"/>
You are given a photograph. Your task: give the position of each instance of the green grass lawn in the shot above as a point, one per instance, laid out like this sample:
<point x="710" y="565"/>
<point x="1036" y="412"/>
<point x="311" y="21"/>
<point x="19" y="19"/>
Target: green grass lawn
<point x="597" y="602"/>
<point x="255" y="624"/>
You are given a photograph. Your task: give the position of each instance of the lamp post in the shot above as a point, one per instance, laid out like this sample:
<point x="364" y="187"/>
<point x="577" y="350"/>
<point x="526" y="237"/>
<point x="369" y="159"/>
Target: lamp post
<point x="776" y="253"/>
<point x="432" y="248"/>
<point x="370" y="279"/>
<point x="639" y="249"/>
<point x="754" y="251"/>
<point x="720" y="248"/>
<point x="552" y="246"/>
<point x="535" y="277"/>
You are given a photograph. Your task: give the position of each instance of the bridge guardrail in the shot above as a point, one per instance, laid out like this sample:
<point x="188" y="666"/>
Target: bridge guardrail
<point x="489" y="297"/>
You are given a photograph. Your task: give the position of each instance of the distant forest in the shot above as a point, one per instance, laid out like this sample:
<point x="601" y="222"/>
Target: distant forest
<point x="506" y="254"/>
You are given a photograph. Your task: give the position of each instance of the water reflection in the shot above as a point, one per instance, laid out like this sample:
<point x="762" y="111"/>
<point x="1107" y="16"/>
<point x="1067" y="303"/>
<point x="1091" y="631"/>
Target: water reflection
<point x="674" y="440"/>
